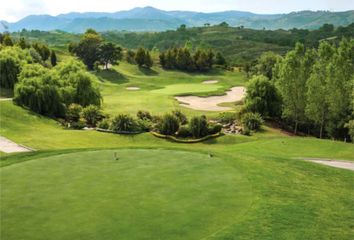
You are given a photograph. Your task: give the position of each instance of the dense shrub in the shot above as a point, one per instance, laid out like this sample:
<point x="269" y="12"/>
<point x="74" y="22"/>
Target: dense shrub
<point x="104" y="124"/>
<point x="198" y="126"/>
<point x="252" y="121"/>
<point x="182" y="118"/>
<point x="77" y="125"/>
<point x="144" y="125"/>
<point x="214" y="128"/>
<point x="73" y="112"/>
<point x="184" y="132"/>
<point x="92" y="114"/>
<point x="123" y="123"/>
<point x="227" y="117"/>
<point x="169" y="124"/>
<point x="143" y="115"/>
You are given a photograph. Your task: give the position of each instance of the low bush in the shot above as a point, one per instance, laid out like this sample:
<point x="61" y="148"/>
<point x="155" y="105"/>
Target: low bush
<point x="198" y="126"/>
<point x="184" y="132"/>
<point x="169" y="125"/>
<point x="227" y="117"/>
<point x="73" y="112"/>
<point x="144" y="125"/>
<point x="252" y="121"/>
<point x="92" y="114"/>
<point x="182" y="118"/>
<point x="104" y="124"/>
<point x="214" y="128"/>
<point x="123" y="123"/>
<point x="144" y="115"/>
<point x="80" y="124"/>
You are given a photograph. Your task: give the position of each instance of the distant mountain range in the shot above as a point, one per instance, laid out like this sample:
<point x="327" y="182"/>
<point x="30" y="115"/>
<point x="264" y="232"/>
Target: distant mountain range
<point x="152" y="19"/>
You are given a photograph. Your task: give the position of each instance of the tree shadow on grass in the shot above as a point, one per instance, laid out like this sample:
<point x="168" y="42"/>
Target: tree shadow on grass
<point x="112" y="76"/>
<point x="148" y="71"/>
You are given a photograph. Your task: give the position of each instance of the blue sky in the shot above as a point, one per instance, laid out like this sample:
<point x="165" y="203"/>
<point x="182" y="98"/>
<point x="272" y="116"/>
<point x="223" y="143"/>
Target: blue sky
<point x="13" y="10"/>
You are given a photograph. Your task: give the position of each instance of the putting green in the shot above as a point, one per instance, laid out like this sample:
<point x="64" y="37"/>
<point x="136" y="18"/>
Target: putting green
<point x="145" y="194"/>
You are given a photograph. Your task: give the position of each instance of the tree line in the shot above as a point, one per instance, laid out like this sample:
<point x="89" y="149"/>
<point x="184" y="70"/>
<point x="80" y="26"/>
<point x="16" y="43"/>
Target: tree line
<point x="312" y="89"/>
<point x="182" y="59"/>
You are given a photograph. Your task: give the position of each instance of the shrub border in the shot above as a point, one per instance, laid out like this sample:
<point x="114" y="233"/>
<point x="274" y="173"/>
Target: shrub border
<point x="178" y="140"/>
<point x="116" y="132"/>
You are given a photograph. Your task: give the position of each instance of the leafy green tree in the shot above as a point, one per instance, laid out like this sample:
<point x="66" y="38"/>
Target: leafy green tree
<point x="220" y="59"/>
<point x="9" y="68"/>
<point x="140" y="57"/>
<point x="263" y="97"/>
<point x="148" y="62"/>
<point x="266" y="63"/>
<point x="109" y="53"/>
<point x="340" y="87"/>
<point x="53" y="58"/>
<point x="22" y="43"/>
<point x="317" y="88"/>
<point x="88" y="48"/>
<point x="130" y="57"/>
<point x="42" y="50"/>
<point x="292" y="77"/>
<point x="199" y="127"/>
<point x="7" y="41"/>
<point x="169" y="125"/>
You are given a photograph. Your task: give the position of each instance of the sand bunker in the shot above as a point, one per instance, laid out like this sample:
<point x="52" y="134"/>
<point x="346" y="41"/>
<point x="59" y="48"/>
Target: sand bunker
<point x="133" y="88"/>
<point x="211" y="103"/>
<point x="210" y="81"/>
<point x="333" y="163"/>
<point x="9" y="146"/>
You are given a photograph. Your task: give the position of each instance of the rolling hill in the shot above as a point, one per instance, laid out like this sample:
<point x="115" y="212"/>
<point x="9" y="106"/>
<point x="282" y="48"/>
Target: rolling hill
<point x="152" y="19"/>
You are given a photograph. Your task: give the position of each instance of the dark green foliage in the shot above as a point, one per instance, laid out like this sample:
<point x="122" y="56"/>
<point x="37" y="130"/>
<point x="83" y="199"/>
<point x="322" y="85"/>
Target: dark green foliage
<point x="53" y="58"/>
<point x="42" y="50"/>
<point x="144" y="115"/>
<point x="182" y="118"/>
<point x="77" y="125"/>
<point x="22" y="43"/>
<point x="123" y="123"/>
<point x="169" y="125"/>
<point x="182" y="59"/>
<point x="252" y="121"/>
<point x="214" y="128"/>
<point x="198" y="127"/>
<point x="263" y="97"/>
<point x="220" y="59"/>
<point x="143" y="58"/>
<point x="92" y="114"/>
<point x="41" y="95"/>
<point x="88" y="48"/>
<point x="184" y="132"/>
<point x="266" y="63"/>
<point x="227" y="117"/>
<point x="7" y="41"/>
<point x="104" y="124"/>
<point x="73" y="112"/>
<point x="9" y="68"/>
<point x="130" y="56"/>
<point x="109" y="53"/>
<point x="144" y="125"/>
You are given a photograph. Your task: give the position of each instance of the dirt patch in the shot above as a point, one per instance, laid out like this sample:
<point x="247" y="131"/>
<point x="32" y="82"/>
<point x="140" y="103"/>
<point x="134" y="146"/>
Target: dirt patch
<point x="9" y="146"/>
<point x="210" y="81"/>
<point x="333" y="163"/>
<point x="133" y="88"/>
<point x="211" y="103"/>
<point x="5" y="99"/>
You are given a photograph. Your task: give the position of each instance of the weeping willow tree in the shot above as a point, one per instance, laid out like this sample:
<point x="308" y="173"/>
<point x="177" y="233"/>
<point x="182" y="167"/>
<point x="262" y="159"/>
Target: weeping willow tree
<point x="50" y="91"/>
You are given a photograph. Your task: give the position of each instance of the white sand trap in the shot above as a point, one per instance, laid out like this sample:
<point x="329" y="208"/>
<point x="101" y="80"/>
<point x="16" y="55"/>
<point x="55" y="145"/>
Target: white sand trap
<point x="211" y="103"/>
<point x="9" y="146"/>
<point x="133" y="88"/>
<point x="333" y="163"/>
<point x="210" y="81"/>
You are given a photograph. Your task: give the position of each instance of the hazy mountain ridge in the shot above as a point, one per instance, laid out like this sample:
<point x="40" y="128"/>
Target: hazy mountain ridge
<point x="152" y="19"/>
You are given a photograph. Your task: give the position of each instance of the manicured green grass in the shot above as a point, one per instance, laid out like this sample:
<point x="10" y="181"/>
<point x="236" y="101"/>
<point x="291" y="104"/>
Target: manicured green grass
<point x="158" y="88"/>
<point x="146" y="194"/>
<point x="253" y="187"/>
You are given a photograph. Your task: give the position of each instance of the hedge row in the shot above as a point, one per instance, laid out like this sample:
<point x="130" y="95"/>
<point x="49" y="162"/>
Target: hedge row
<point x="178" y="140"/>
